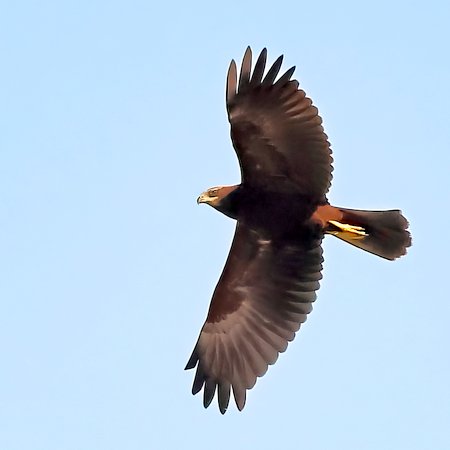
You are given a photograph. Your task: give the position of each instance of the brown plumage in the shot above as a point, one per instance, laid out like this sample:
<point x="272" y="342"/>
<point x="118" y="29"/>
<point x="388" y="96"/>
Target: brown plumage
<point x="272" y="273"/>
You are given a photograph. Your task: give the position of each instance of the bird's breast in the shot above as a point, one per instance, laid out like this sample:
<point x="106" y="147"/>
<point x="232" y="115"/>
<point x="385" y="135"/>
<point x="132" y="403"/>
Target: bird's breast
<point x="277" y="214"/>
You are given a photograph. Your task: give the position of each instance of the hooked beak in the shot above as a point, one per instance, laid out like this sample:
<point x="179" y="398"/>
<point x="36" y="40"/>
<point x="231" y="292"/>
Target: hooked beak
<point x="202" y="198"/>
<point x="206" y="198"/>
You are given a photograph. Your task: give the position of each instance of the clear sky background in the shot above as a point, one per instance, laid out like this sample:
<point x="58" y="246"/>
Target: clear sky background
<point x="112" y="121"/>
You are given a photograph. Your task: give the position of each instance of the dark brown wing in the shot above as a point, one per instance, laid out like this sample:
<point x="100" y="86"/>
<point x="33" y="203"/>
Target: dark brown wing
<point x="263" y="295"/>
<point x="276" y="132"/>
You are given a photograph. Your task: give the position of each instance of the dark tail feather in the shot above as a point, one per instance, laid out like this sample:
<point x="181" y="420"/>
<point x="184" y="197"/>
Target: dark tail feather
<point x="386" y="231"/>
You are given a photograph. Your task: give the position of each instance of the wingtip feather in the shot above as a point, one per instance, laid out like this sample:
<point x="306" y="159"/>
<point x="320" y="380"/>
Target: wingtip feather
<point x="192" y="360"/>
<point x="199" y="381"/>
<point x="239" y="394"/>
<point x="223" y="394"/>
<point x="231" y="81"/>
<point x="285" y="78"/>
<point x="246" y="68"/>
<point x="273" y="72"/>
<point x="208" y="392"/>
<point x="260" y="66"/>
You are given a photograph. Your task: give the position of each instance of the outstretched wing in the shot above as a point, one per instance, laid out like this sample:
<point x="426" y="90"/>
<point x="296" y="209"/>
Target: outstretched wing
<point x="264" y="293"/>
<point x="276" y="131"/>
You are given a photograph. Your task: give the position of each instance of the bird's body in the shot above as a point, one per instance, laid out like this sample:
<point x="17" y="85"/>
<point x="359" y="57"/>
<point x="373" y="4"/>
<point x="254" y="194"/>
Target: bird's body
<point x="274" y="266"/>
<point x="289" y="212"/>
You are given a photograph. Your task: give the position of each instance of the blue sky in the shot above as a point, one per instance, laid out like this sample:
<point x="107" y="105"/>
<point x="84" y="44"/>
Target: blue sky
<point x="112" y="122"/>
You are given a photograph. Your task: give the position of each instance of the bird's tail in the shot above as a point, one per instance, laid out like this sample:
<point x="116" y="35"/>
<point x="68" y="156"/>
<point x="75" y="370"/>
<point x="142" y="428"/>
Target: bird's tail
<point x="383" y="233"/>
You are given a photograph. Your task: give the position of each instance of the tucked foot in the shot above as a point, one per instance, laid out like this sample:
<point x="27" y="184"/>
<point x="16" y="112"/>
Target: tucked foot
<point x="351" y="231"/>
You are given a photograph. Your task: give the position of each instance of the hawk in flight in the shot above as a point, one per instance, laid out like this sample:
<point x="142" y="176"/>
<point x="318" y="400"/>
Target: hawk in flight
<point x="272" y="272"/>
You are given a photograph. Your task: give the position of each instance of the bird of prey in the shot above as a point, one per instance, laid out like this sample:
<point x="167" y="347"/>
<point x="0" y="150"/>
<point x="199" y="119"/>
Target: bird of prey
<point x="272" y="272"/>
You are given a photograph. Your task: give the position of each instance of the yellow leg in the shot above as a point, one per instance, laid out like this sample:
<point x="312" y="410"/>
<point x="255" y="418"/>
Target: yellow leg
<point x="348" y="231"/>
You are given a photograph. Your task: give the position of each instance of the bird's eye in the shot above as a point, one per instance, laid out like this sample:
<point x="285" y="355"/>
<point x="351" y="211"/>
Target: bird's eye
<point x="213" y="192"/>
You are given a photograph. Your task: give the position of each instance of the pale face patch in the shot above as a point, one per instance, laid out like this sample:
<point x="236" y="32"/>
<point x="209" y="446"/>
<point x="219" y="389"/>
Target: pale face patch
<point x="214" y="195"/>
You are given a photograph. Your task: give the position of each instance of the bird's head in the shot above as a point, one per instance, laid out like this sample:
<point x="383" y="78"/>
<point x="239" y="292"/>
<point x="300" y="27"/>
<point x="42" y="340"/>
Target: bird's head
<point x="216" y="196"/>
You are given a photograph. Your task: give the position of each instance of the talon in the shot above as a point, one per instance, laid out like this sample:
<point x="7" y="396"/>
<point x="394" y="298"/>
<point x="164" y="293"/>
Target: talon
<point x="355" y="231"/>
